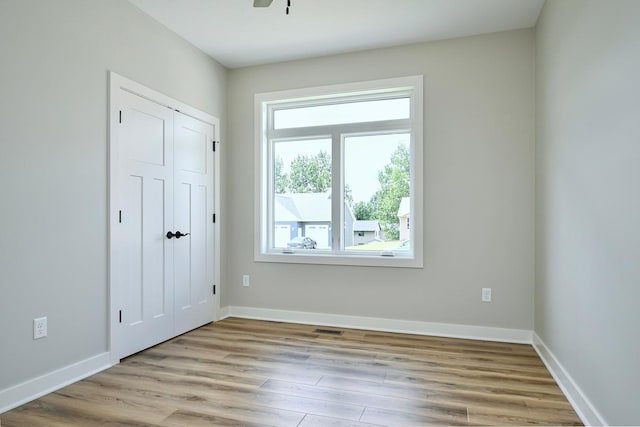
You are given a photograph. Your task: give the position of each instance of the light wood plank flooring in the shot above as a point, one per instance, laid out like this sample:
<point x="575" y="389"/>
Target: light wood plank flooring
<point x="253" y="373"/>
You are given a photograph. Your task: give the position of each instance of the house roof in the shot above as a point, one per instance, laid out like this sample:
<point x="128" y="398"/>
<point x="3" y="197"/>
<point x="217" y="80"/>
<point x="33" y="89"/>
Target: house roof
<point x="362" y="225"/>
<point x="285" y="209"/>
<point x="405" y="207"/>
<point x="303" y="207"/>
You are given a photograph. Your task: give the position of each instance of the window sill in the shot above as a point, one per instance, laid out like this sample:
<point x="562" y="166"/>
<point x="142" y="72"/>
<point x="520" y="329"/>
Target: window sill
<point x="347" y="259"/>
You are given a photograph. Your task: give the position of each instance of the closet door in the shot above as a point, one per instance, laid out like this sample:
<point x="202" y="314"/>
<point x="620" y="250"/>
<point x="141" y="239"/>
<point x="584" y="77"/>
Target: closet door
<point x="144" y="264"/>
<point x="162" y="233"/>
<point x="193" y="214"/>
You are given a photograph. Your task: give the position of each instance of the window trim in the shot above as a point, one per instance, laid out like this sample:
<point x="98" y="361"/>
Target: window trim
<point x="264" y="104"/>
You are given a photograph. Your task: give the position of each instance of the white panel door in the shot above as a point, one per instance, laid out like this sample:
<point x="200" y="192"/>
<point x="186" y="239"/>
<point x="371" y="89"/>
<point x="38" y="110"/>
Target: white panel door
<point x="163" y="180"/>
<point x="144" y="255"/>
<point x="193" y="214"/>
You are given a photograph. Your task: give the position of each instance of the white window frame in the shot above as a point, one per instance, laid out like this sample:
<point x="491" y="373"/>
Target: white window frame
<point x="266" y="103"/>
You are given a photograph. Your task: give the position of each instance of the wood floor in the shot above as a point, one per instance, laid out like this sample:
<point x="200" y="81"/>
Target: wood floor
<point x="253" y="373"/>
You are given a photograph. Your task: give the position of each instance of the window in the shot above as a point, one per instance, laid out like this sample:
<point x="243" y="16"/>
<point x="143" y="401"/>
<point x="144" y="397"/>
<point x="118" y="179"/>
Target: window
<point x="339" y="173"/>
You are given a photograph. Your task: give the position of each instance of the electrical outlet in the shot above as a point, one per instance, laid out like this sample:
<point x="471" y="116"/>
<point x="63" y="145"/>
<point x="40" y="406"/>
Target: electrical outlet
<point x="39" y="328"/>
<point x="245" y="280"/>
<point x="486" y="294"/>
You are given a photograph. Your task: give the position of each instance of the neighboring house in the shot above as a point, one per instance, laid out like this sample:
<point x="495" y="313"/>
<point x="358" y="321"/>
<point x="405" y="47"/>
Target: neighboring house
<point x="307" y="215"/>
<point x="404" y="214"/>
<point x="366" y="231"/>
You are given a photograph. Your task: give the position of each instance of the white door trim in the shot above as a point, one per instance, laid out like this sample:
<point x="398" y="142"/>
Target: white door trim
<point x="116" y="84"/>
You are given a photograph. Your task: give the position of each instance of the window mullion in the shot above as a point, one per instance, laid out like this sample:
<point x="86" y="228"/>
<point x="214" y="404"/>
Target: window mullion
<point x="270" y="194"/>
<point x="336" y="192"/>
<point x="378" y="126"/>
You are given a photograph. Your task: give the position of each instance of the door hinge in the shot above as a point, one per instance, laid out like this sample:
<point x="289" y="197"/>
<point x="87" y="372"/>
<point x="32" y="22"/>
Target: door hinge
<point x="120" y="315"/>
<point x="120" y="117"/>
<point x="214" y="289"/>
<point x="120" y="217"/>
<point x="214" y="145"/>
<point x="214" y="218"/>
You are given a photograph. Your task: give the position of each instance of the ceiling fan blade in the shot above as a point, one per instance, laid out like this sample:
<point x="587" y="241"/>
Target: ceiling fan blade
<point x="262" y="3"/>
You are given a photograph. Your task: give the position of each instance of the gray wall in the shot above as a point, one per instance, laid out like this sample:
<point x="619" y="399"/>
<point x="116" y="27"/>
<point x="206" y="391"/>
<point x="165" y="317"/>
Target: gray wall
<point x="588" y="198"/>
<point x="53" y="163"/>
<point x="478" y="182"/>
<point x="478" y="188"/>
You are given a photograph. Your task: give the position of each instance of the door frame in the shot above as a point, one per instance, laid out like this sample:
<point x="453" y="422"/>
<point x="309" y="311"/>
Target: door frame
<point x="116" y="84"/>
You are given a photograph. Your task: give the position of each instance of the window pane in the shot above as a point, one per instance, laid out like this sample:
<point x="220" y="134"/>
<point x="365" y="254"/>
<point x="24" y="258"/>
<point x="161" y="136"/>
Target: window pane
<point x="301" y="194"/>
<point x="377" y="177"/>
<point x="351" y="112"/>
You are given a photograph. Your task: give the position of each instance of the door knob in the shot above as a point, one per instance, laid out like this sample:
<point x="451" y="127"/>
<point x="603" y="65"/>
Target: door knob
<point x="177" y="234"/>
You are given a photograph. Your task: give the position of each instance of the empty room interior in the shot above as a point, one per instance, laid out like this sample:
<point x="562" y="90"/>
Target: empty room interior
<point x="319" y="212"/>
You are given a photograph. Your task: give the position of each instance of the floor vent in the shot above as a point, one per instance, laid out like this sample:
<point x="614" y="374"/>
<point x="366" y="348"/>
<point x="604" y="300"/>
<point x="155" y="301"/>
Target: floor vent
<point x="328" y="331"/>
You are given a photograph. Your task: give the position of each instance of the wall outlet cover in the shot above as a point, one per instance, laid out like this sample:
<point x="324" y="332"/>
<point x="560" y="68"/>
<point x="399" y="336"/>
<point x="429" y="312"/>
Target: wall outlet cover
<point x="486" y="294"/>
<point x="39" y="328"/>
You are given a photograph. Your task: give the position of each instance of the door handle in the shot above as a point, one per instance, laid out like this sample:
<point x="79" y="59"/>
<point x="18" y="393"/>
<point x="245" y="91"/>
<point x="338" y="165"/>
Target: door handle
<point x="177" y="234"/>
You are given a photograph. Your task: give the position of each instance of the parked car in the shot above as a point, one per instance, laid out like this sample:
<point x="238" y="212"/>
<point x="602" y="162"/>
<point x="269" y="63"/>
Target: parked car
<point x="302" y="243"/>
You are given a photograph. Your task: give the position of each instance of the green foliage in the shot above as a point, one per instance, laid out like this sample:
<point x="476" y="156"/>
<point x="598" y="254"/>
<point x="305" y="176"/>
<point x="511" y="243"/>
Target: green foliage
<point x="308" y="174"/>
<point x="394" y="180"/>
<point x="348" y="195"/>
<point x="280" y="179"/>
<point x="364" y="211"/>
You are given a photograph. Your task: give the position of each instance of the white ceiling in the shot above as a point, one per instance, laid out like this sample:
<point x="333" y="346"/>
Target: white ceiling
<point x="237" y="34"/>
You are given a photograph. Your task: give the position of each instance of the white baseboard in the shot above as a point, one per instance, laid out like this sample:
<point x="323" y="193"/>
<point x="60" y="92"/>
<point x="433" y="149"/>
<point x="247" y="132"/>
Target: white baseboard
<point x="581" y="404"/>
<point x="27" y="391"/>
<point x="224" y="313"/>
<point x="484" y="333"/>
